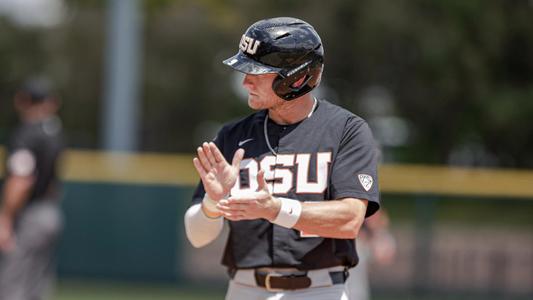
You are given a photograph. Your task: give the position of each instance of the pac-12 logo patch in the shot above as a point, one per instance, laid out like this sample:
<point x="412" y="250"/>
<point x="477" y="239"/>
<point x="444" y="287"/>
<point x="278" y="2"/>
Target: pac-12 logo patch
<point x="366" y="181"/>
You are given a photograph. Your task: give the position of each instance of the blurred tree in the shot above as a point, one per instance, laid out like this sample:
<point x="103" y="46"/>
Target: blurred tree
<point x="20" y="54"/>
<point x="460" y="73"/>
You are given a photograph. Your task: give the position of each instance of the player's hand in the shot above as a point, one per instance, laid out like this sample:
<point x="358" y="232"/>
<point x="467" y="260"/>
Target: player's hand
<point x="218" y="176"/>
<point x="255" y="205"/>
<point x="7" y="242"/>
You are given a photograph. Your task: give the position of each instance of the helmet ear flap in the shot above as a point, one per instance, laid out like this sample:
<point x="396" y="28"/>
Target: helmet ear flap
<point x="284" y="84"/>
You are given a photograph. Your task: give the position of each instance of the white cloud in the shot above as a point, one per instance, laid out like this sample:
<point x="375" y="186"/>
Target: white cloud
<point x="33" y="13"/>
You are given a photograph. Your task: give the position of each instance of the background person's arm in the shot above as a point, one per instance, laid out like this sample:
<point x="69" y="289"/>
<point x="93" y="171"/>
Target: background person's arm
<point x="15" y="193"/>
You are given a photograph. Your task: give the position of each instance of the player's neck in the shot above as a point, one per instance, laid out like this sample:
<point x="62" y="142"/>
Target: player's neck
<point x="294" y="111"/>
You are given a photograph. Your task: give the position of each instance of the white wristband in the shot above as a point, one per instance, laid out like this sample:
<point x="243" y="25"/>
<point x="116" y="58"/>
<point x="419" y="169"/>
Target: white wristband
<point x="210" y="204"/>
<point x="289" y="213"/>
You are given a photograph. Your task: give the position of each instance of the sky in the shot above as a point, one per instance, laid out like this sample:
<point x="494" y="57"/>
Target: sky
<point x="33" y="13"/>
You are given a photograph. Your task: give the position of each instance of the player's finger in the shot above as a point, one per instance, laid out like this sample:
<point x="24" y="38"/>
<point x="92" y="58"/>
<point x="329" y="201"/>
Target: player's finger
<point x="232" y="217"/>
<point x="199" y="168"/>
<point x="233" y="206"/>
<point x="262" y="185"/>
<point x="237" y="158"/>
<point x="224" y="204"/>
<point x="241" y="201"/>
<point x="203" y="159"/>
<point x="208" y="153"/>
<point x="233" y="212"/>
<point x="243" y="198"/>
<point x="216" y="153"/>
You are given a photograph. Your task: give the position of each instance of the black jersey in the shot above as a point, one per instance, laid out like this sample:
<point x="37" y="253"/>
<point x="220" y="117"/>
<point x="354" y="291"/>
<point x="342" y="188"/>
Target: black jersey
<point x="330" y="155"/>
<point x="41" y="142"/>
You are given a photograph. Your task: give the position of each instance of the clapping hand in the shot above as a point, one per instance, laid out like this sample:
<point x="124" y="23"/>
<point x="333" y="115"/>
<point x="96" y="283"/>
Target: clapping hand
<point x="218" y="176"/>
<point x="255" y="205"/>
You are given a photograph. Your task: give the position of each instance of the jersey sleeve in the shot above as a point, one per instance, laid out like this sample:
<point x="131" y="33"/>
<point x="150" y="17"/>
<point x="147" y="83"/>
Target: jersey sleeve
<point x="354" y="170"/>
<point x="21" y="158"/>
<point x="199" y="192"/>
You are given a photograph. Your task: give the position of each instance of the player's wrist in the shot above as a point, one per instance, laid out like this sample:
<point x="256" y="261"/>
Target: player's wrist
<point x="209" y="207"/>
<point x="273" y="209"/>
<point x="289" y="213"/>
<point x="217" y="196"/>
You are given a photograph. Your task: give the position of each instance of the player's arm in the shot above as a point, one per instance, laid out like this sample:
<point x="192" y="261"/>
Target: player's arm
<point x="200" y="228"/>
<point x="341" y="219"/>
<point x="333" y="219"/>
<point x="15" y="192"/>
<point x="17" y="188"/>
<point x="203" y="221"/>
<point x="353" y="187"/>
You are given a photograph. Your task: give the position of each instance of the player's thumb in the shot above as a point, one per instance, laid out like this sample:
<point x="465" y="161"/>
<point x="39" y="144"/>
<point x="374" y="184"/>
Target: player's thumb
<point x="262" y="185"/>
<point x="237" y="158"/>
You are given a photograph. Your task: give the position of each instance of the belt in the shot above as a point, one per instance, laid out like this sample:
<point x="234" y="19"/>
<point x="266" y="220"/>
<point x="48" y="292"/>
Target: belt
<point x="272" y="280"/>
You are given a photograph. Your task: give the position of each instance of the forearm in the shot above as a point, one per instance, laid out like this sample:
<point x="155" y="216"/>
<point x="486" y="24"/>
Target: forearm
<point x="14" y="195"/>
<point x="340" y="219"/>
<point x="334" y="219"/>
<point x="200" y="229"/>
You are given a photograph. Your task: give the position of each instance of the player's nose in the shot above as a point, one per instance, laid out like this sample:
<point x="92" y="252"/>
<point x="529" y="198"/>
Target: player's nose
<point x="248" y="81"/>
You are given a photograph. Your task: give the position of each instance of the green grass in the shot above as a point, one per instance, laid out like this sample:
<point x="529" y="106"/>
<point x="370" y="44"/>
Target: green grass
<point x="94" y="290"/>
<point x="74" y="290"/>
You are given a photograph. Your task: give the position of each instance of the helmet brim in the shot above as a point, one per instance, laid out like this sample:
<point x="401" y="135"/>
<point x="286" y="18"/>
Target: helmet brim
<point x="244" y="64"/>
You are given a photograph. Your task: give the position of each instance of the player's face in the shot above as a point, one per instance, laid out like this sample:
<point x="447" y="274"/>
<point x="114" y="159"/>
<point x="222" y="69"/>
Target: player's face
<point x="260" y="93"/>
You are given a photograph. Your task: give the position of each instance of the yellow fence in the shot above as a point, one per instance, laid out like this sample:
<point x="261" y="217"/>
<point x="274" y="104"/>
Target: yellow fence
<point x="177" y="169"/>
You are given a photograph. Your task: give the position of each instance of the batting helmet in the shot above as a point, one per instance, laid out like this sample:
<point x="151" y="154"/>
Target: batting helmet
<point x="287" y="46"/>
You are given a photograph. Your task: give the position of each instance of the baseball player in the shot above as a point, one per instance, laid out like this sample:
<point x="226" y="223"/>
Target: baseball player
<point x="294" y="180"/>
<point x="30" y="217"/>
<point x="376" y="244"/>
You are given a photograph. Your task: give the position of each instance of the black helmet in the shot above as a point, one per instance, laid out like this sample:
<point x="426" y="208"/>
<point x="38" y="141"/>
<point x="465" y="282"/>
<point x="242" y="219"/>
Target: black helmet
<point x="287" y="46"/>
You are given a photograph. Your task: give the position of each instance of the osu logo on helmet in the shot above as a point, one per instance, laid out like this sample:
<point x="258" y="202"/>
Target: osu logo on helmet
<point x="248" y="45"/>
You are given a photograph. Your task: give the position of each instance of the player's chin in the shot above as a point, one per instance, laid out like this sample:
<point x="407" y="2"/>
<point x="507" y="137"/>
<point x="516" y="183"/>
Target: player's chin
<point x="254" y="102"/>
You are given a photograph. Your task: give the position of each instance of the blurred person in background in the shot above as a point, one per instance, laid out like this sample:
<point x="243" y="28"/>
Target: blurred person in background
<point x="375" y="244"/>
<point x="30" y="217"/>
